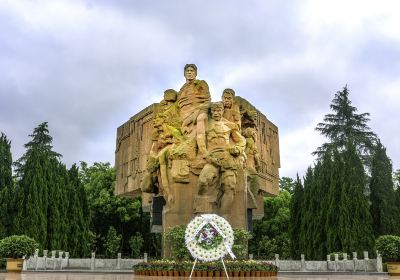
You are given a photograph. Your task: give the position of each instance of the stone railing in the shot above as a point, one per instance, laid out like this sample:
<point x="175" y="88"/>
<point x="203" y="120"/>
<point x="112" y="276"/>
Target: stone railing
<point x="62" y="261"/>
<point x="336" y="265"/>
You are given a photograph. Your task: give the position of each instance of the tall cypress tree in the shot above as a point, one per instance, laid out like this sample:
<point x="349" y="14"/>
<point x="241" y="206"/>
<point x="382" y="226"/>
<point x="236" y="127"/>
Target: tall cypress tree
<point x="335" y="212"/>
<point x="384" y="210"/>
<point x="323" y="178"/>
<point x="397" y="197"/>
<point x="307" y="215"/>
<point x="58" y="222"/>
<point x="344" y="125"/>
<point x="356" y="228"/>
<point x="6" y="186"/>
<point x="313" y="213"/>
<point x="35" y="170"/>
<point x="78" y="215"/>
<point x="296" y="214"/>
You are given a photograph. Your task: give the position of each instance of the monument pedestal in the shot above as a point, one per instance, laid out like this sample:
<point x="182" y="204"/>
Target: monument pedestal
<point x="182" y="210"/>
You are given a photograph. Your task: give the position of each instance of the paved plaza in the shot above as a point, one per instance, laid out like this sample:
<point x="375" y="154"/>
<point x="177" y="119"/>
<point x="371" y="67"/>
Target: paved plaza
<point x="110" y="276"/>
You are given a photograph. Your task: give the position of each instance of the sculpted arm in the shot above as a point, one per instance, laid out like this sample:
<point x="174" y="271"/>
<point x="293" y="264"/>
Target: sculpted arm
<point x="239" y="140"/>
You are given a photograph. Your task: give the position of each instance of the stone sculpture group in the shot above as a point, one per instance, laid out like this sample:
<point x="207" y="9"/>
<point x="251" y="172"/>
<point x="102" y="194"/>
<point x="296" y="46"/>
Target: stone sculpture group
<point x="188" y="156"/>
<point x="192" y="129"/>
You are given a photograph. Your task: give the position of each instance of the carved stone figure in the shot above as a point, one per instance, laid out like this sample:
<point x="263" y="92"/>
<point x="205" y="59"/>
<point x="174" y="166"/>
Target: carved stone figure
<point x="252" y="166"/>
<point x="167" y="117"/>
<point x="218" y="179"/>
<point x="165" y="135"/>
<point x="231" y="110"/>
<point x="194" y="98"/>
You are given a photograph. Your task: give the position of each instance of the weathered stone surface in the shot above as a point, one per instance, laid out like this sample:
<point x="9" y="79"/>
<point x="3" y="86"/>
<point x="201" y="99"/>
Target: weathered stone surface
<point x="200" y="156"/>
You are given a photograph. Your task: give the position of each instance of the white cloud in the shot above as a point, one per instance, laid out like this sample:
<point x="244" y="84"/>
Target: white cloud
<point x="296" y="147"/>
<point x="87" y="66"/>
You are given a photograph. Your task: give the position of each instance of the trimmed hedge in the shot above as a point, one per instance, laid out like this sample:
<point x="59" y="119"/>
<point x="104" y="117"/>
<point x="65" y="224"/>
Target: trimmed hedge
<point x="17" y="246"/>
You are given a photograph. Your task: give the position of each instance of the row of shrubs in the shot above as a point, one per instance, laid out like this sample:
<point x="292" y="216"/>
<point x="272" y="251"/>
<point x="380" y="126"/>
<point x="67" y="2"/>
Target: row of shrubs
<point x="17" y="246"/>
<point x="186" y="266"/>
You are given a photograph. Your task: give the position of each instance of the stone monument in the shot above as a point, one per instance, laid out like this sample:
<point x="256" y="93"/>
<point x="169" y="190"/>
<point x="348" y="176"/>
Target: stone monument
<point x="187" y="156"/>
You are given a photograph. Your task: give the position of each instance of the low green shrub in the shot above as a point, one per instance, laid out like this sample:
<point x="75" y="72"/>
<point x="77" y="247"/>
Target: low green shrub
<point x="240" y="243"/>
<point x="17" y="246"/>
<point x="389" y="247"/>
<point x="175" y="238"/>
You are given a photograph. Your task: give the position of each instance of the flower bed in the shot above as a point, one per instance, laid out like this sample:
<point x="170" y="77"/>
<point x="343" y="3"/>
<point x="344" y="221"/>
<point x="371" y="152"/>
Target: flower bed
<point x="208" y="269"/>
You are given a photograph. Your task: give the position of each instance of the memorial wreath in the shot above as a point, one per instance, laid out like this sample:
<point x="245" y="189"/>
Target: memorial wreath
<point x="209" y="237"/>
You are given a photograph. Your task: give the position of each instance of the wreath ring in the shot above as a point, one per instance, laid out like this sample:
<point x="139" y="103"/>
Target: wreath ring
<point x="209" y="237"/>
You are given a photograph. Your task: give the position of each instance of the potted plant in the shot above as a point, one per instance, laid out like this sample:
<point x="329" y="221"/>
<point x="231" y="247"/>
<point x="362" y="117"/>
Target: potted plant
<point x="389" y="247"/>
<point x="14" y="248"/>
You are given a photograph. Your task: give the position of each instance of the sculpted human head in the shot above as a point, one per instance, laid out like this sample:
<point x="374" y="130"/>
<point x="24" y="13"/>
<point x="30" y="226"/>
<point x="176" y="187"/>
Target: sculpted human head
<point x="228" y="97"/>
<point x="216" y="110"/>
<point x="190" y="72"/>
<point x="250" y="132"/>
<point x="170" y="95"/>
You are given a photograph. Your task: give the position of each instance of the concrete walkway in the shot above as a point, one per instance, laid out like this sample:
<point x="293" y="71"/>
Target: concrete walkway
<point x="110" y="276"/>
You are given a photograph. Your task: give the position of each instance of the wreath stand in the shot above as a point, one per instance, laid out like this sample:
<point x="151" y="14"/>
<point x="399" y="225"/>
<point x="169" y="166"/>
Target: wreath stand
<point x="194" y="264"/>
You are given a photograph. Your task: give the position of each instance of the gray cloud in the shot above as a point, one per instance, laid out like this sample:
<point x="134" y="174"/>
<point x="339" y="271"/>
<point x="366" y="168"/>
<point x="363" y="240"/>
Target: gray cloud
<point x="87" y="66"/>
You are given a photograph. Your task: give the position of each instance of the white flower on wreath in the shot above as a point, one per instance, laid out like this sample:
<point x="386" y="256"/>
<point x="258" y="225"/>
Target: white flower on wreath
<point x="213" y="253"/>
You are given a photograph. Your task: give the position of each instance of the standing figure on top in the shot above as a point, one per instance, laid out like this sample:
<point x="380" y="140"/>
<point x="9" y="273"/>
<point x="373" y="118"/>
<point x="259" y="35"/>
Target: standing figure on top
<point x="193" y="101"/>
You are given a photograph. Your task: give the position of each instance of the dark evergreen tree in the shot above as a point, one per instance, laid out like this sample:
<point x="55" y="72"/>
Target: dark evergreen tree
<point x="384" y="210"/>
<point x="307" y="215"/>
<point x="355" y="227"/>
<point x="296" y="214"/>
<point x="6" y="186"/>
<point x="78" y="216"/>
<point x="316" y="189"/>
<point x="34" y="170"/>
<point x="58" y="222"/>
<point x="344" y="125"/>
<point x="313" y="209"/>
<point x="323" y="178"/>
<point x="397" y="197"/>
<point x="335" y="212"/>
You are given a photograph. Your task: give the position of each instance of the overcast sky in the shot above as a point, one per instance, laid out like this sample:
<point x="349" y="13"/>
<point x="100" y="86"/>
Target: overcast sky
<point x="86" y="67"/>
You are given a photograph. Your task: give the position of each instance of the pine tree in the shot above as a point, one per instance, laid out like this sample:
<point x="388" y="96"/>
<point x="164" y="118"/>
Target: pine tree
<point x="296" y="214"/>
<point x="344" y="125"/>
<point x="35" y="172"/>
<point x="384" y="210"/>
<point x="6" y="186"/>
